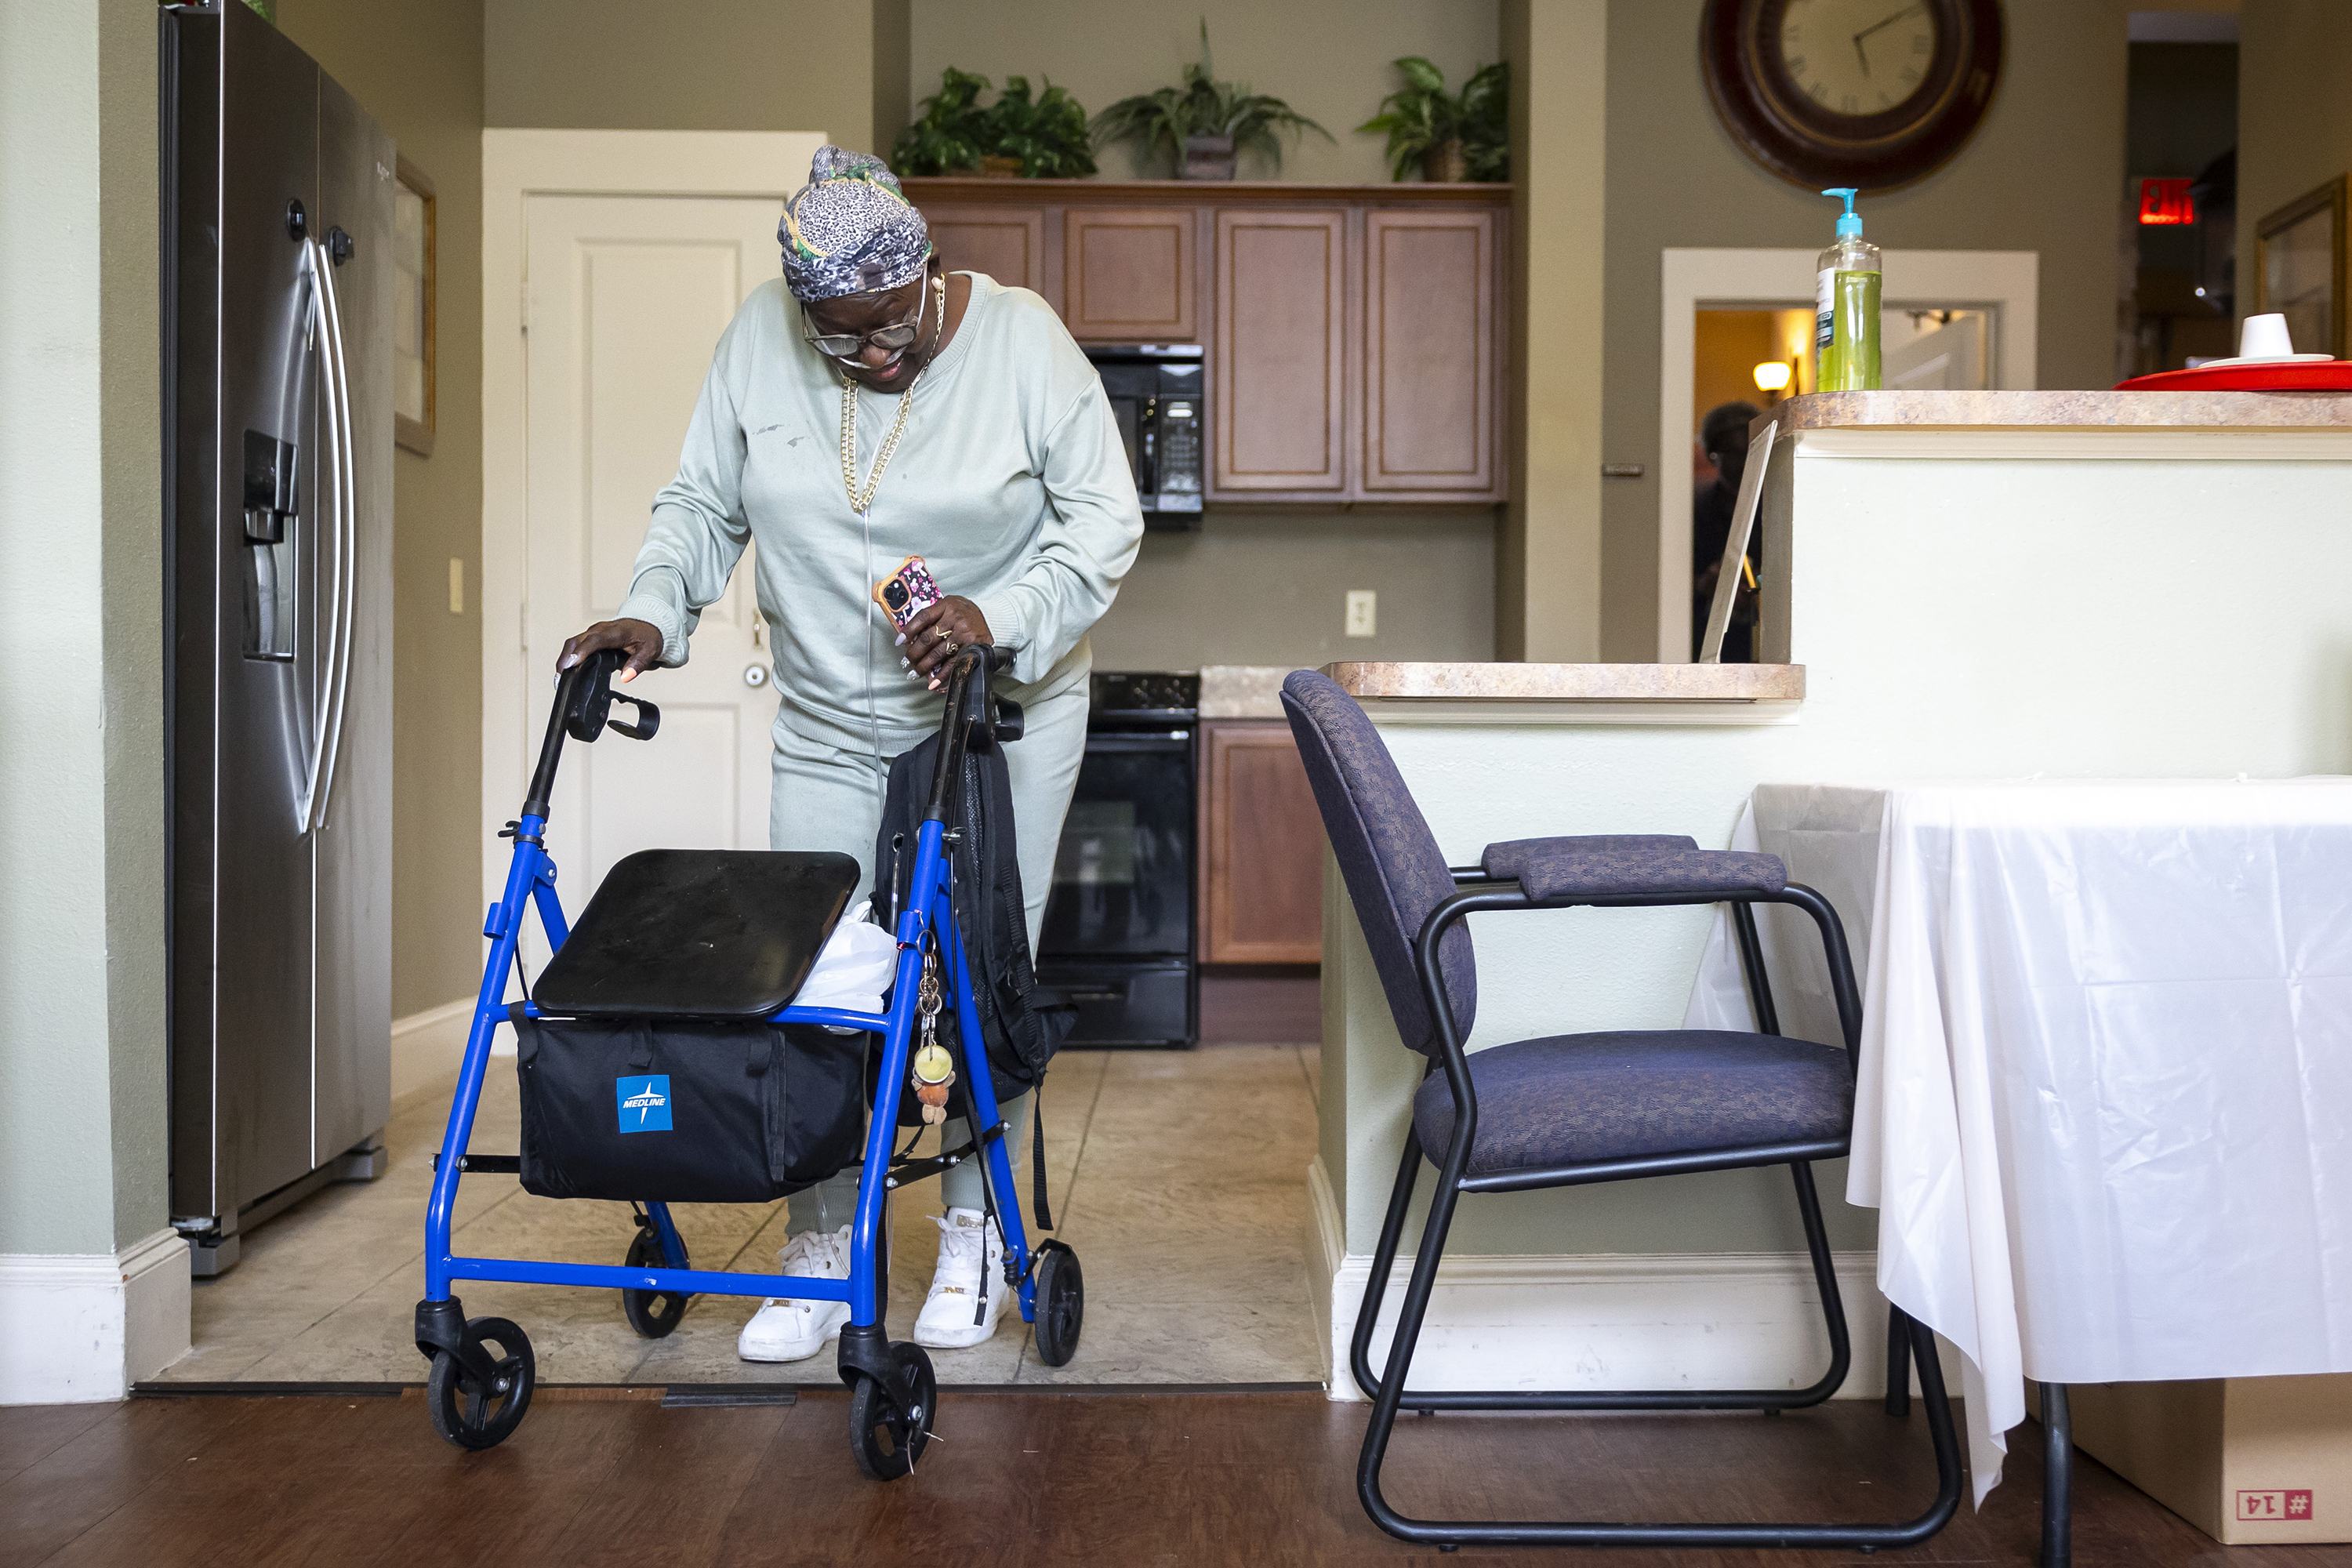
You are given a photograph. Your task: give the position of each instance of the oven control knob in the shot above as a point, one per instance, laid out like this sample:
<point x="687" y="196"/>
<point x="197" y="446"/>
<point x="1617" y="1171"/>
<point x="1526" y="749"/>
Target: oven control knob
<point x="755" y="675"/>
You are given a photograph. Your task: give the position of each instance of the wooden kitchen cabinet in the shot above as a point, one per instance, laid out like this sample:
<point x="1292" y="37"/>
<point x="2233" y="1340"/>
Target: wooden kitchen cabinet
<point x="1358" y="337"/>
<point x="1261" y="847"/>
<point x="1431" y="381"/>
<point x="1007" y="243"/>
<point x="1127" y="274"/>
<point x="1278" y="384"/>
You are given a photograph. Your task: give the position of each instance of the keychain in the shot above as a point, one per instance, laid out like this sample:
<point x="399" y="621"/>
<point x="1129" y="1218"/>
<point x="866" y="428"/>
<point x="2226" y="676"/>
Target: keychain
<point x="934" y="1068"/>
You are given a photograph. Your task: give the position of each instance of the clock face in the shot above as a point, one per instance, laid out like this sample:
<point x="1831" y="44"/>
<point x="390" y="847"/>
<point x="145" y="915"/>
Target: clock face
<point x="1856" y="58"/>
<point x="1869" y="93"/>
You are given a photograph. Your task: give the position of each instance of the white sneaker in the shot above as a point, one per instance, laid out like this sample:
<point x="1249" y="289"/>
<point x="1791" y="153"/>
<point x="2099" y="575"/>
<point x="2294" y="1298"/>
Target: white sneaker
<point x="952" y="1315"/>
<point x="786" y="1329"/>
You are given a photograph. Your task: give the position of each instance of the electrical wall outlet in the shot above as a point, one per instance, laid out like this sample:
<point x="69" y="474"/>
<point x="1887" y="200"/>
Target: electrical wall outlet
<point x="1363" y="613"/>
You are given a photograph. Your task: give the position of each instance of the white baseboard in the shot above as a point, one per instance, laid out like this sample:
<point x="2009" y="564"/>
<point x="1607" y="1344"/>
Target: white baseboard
<point x="427" y="1047"/>
<point x="80" y="1328"/>
<point x="1601" y="1320"/>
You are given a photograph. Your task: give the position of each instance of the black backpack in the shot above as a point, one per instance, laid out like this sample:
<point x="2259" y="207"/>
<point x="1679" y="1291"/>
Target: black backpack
<point x="1021" y="1025"/>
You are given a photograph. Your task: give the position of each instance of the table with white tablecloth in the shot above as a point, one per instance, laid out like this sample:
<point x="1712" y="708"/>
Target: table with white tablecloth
<point x="2105" y="1100"/>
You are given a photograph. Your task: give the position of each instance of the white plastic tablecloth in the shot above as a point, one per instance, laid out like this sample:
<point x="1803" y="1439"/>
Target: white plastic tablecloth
<point x="2104" y="1103"/>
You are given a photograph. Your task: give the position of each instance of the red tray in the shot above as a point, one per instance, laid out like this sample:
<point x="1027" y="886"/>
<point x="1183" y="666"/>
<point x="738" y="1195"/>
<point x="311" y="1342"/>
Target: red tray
<point x="2311" y="375"/>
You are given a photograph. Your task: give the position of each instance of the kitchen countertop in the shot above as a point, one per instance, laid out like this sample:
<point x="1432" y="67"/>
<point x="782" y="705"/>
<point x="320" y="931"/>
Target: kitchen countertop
<point x="1242" y="691"/>
<point x="1742" y="683"/>
<point x="2015" y="410"/>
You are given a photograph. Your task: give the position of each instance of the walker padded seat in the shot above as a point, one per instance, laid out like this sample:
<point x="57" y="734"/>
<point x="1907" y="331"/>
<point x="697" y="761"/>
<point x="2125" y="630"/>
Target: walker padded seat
<point x="1568" y="1099"/>
<point x="1615" y="866"/>
<point x="699" y="933"/>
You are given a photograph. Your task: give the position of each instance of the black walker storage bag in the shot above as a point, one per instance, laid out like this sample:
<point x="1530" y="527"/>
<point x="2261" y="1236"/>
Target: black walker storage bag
<point x="656" y="1075"/>
<point x="676" y="1111"/>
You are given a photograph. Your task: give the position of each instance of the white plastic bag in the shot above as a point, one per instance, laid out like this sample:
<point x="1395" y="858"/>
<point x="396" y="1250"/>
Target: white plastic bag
<point x="855" y="970"/>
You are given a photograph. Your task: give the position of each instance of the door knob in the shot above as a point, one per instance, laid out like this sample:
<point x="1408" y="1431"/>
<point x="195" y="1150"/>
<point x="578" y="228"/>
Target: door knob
<point x="755" y="675"/>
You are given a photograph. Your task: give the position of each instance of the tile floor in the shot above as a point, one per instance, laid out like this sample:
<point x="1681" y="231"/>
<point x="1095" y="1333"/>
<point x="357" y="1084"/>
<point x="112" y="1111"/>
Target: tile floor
<point x="1179" y="1178"/>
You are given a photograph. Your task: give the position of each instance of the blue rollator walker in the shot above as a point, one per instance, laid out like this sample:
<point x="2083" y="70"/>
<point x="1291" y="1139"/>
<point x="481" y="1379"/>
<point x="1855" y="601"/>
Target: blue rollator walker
<point x="482" y="1369"/>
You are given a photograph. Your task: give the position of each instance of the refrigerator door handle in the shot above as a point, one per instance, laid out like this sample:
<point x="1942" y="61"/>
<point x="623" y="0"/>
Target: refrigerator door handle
<point x="345" y="610"/>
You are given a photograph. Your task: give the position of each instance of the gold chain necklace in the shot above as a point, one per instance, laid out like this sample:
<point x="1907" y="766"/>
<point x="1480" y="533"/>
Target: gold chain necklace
<point x="860" y="501"/>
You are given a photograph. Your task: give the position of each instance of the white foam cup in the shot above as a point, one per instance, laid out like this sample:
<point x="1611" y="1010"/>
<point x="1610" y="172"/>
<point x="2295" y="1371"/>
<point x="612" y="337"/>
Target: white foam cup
<point x="2264" y="337"/>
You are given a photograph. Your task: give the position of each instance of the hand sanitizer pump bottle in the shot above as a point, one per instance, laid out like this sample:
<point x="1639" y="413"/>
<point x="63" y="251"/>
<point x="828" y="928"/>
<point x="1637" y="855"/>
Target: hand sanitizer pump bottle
<point x="1846" y="307"/>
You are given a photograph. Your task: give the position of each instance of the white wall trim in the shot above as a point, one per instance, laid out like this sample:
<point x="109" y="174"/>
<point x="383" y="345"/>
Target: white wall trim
<point x="1732" y="1320"/>
<point x="427" y="1047"/>
<point x="82" y="1327"/>
<point x="1327" y="1256"/>
<point x="2006" y="282"/>
<point x="518" y="164"/>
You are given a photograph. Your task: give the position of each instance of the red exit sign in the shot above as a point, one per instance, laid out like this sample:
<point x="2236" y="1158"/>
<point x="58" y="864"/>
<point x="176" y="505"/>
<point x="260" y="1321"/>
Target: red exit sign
<point x="2274" y="1505"/>
<point x="2164" y="202"/>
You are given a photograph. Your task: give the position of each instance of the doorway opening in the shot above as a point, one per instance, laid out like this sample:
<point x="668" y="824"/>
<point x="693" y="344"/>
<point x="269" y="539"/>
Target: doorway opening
<point x="1951" y="319"/>
<point x="2180" y="208"/>
<point x="1746" y="362"/>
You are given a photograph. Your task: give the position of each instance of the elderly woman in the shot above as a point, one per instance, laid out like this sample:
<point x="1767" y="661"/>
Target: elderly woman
<point x="867" y="407"/>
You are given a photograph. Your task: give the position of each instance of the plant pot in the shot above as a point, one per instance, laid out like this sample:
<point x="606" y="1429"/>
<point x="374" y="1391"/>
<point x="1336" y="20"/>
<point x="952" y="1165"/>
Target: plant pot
<point x="1206" y="158"/>
<point x="998" y="168"/>
<point x="1446" y="164"/>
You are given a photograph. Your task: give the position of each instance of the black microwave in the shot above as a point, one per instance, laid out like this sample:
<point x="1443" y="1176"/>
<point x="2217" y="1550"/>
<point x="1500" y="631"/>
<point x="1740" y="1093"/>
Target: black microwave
<point x="1158" y="393"/>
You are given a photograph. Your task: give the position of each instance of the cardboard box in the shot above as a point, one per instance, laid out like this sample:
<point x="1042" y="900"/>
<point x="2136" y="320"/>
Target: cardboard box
<point x="2248" y="1460"/>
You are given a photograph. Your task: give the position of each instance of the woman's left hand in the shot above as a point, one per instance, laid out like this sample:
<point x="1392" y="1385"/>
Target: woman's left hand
<point x="939" y="632"/>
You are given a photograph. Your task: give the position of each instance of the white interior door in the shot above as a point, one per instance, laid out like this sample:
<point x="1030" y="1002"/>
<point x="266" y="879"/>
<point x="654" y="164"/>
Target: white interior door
<point x="624" y="298"/>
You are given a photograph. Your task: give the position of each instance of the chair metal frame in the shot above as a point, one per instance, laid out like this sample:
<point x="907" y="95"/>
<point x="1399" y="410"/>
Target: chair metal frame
<point x="1907" y="1341"/>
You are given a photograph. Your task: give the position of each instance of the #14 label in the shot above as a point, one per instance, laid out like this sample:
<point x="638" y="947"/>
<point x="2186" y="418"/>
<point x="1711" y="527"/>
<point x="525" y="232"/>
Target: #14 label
<point x="2259" y="1507"/>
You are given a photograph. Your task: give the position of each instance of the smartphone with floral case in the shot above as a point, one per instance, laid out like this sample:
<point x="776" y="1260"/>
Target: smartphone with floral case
<point x="906" y="592"/>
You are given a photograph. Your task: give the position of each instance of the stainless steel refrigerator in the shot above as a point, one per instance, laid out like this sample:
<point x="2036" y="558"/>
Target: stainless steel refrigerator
<point x="278" y="322"/>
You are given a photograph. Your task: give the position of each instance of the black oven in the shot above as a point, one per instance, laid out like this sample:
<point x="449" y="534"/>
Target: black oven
<point x="1159" y="396"/>
<point x="1117" y="941"/>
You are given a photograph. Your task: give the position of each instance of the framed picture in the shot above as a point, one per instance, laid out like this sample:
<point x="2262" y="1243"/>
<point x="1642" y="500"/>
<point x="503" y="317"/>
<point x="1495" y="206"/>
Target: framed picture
<point x="2299" y="268"/>
<point x="413" y="310"/>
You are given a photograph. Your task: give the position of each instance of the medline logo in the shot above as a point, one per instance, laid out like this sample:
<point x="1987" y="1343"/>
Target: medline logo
<point x="644" y="1103"/>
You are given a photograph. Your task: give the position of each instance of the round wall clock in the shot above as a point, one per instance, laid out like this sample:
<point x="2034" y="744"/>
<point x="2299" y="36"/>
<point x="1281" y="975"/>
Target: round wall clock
<point x="1870" y="93"/>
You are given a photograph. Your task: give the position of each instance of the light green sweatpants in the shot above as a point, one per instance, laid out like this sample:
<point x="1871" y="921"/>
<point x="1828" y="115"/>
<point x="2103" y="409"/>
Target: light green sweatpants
<point x="824" y="797"/>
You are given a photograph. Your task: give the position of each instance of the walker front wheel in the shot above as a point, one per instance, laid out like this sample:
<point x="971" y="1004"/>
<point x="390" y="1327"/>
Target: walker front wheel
<point x="888" y="1427"/>
<point x="465" y="1411"/>
<point x="653" y="1313"/>
<point x="1061" y="1303"/>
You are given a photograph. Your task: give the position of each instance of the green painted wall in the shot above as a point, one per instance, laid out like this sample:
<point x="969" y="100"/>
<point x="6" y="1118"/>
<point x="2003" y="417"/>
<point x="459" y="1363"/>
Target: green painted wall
<point x="417" y="68"/>
<point x="717" y="65"/>
<point x="81" y="747"/>
<point x="2044" y="173"/>
<point x="2295" y="115"/>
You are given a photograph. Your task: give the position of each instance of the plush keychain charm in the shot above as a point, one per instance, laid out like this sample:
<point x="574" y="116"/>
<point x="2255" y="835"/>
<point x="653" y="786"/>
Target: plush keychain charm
<point x="934" y="1071"/>
<point x="934" y="1068"/>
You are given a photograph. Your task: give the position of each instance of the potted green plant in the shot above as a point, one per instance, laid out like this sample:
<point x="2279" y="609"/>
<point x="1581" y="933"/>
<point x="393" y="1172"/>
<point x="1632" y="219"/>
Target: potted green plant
<point x="1047" y="137"/>
<point x="1464" y="136"/>
<point x="1204" y="123"/>
<point x="1039" y="137"/>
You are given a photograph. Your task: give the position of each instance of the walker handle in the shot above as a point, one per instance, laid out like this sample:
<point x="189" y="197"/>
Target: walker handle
<point x="584" y="706"/>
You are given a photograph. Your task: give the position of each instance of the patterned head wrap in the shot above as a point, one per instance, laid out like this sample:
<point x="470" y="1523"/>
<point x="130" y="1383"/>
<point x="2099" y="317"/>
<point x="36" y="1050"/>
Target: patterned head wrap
<point x="850" y="230"/>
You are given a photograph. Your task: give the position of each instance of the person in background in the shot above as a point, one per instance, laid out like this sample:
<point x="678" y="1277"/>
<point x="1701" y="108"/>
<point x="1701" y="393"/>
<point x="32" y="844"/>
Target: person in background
<point x="1723" y="438"/>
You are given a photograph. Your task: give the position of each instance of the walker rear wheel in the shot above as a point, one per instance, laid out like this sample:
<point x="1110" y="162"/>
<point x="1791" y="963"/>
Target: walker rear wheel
<point x="1061" y="1303"/>
<point x="653" y="1313"/>
<point x="463" y="1410"/>
<point x="890" y="1426"/>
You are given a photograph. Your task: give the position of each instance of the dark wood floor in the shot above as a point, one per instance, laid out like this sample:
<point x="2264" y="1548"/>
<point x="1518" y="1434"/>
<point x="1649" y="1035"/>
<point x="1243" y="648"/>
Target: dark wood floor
<point x="1023" y="1479"/>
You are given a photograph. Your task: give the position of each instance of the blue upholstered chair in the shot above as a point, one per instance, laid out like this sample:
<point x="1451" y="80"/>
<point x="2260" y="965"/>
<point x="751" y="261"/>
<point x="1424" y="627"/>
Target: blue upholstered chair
<point x="1569" y="1110"/>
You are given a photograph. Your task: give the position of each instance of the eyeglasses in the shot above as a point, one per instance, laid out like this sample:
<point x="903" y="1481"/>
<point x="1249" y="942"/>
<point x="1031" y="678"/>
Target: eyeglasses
<point x="850" y="345"/>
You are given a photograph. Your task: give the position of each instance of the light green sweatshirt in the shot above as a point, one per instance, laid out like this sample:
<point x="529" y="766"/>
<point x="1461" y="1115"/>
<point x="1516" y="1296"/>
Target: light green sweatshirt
<point x="1010" y="479"/>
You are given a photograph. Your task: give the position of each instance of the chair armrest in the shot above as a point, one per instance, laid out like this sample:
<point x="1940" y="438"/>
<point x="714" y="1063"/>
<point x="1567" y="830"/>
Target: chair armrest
<point x="1629" y="865"/>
